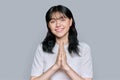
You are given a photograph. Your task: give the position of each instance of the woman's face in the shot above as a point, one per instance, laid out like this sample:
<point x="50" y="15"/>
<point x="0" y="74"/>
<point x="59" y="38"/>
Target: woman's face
<point x="60" y="25"/>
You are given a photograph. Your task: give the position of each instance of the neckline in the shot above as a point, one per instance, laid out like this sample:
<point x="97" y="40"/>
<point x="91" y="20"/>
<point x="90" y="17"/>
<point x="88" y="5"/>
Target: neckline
<point x="65" y="45"/>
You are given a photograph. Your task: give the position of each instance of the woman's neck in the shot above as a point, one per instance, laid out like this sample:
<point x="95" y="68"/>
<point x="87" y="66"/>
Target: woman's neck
<point x="63" y="40"/>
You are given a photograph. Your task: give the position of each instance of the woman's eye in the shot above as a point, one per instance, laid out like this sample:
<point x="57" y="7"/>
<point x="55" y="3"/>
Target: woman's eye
<point x="52" y="21"/>
<point x="62" y="19"/>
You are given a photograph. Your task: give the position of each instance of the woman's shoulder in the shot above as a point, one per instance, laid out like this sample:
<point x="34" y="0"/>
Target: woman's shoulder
<point x="84" y="47"/>
<point x="39" y="47"/>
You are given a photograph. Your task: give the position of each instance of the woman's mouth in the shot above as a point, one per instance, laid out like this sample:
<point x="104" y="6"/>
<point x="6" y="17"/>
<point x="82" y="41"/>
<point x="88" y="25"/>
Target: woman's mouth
<point x="59" y="29"/>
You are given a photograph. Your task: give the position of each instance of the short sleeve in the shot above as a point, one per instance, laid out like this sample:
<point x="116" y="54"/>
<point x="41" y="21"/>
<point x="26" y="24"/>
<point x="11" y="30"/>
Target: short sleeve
<point x="86" y="65"/>
<point x="37" y="66"/>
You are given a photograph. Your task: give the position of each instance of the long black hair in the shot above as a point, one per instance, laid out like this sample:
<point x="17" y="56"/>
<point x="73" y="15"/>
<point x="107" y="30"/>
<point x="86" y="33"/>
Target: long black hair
<point x="50" y="40"/>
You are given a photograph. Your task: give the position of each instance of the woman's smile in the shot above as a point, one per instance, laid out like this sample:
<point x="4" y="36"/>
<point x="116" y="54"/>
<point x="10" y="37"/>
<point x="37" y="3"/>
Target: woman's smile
<point x="59" y="30"/>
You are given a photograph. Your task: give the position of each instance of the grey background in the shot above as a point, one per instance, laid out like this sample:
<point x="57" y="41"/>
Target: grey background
<point x="23" y="27"/>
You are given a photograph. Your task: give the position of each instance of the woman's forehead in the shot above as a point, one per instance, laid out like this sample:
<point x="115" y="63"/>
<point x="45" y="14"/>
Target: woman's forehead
<point x="57" y="15"/>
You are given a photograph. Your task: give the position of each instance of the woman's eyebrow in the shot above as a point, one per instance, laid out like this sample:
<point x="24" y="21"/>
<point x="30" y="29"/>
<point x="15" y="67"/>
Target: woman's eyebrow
<point x="53" y="18"/>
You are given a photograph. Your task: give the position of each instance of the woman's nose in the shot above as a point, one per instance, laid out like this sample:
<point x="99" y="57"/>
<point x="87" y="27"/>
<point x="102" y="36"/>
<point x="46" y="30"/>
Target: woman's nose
<point x="57" y="23"/>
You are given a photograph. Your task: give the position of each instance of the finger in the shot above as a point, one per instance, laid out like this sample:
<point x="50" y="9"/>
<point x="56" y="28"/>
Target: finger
<point x="61" y="47"/>
<point x="59" y="55"/>
<point x="62" y="51"/>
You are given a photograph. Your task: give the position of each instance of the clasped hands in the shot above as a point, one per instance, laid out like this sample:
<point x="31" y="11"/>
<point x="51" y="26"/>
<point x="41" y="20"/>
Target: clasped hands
<point x="61" y="61"/>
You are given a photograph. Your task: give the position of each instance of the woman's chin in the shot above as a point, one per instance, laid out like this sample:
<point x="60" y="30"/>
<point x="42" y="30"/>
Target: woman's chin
<point x="60" y="36"/>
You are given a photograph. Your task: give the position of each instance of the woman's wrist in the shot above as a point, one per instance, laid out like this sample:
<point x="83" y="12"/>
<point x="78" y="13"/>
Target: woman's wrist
<point x="55" y="67"/>
<point x="66" y="68"/>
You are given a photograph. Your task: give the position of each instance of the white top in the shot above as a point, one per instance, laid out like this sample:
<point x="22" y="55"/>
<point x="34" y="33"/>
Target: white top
<point x="80" y="64"/>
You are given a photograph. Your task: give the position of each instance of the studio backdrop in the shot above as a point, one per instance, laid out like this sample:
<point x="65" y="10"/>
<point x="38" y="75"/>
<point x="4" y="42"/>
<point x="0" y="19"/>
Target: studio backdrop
<point x="23" y="27"/>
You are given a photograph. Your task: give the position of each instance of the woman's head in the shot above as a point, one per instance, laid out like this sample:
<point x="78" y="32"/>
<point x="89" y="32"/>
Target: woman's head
<point x="60" y="16"/>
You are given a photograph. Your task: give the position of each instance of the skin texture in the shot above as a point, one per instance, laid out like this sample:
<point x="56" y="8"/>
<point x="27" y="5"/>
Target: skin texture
<point x="59" y="26"/>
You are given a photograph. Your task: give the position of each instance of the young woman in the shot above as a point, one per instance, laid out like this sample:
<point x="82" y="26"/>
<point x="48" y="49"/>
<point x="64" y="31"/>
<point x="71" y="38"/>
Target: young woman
<point x="60" y="56"/>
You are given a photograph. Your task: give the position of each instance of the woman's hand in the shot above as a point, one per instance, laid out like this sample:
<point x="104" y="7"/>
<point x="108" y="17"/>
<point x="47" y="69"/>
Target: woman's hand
<point x="61" y="61"/>
<point x="58" y="63"/>
<point x="64" y="65"/>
